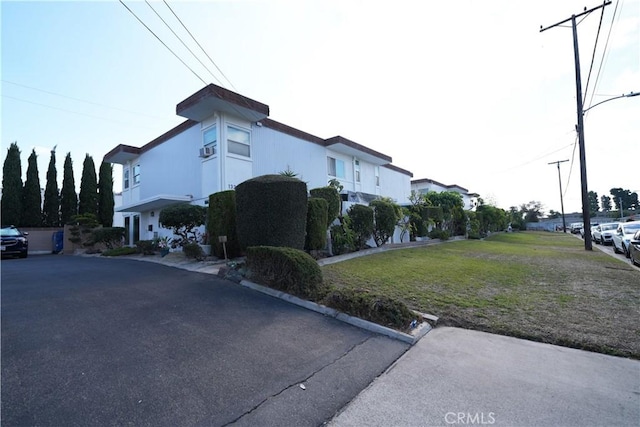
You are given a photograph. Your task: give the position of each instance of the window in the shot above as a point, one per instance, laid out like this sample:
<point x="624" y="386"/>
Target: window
<point x="239" y="141"/>
<point x="357" y="169"/>
<point x="377" y="176"/>
<point x="210" y="139"/>
<point x="335" y="167"/>
<point x="126" y="178"/>
<point x="136" y="174"/>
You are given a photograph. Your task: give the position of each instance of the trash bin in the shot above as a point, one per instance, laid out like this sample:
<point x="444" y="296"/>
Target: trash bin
<point x="57" y="240"/>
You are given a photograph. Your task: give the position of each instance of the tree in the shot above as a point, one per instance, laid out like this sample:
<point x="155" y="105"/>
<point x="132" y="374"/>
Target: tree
<point x="629" y="199"/>
<point x="184" y="219"/>
<point x="361" y="222"/>
<point x="68" y="196"/>
<point x="105" y="195"/>
<point x="51" y="206"/>
<point x="31" y="196"/>
<point x="385" y="218"/>
<point x="449" y="201"/>
<point x="88" y="201"/>
<point x="11" y="205"/>
<point x="593" y="203"/>
<point x="532" y="211"/>
<point x="605" y="203"/>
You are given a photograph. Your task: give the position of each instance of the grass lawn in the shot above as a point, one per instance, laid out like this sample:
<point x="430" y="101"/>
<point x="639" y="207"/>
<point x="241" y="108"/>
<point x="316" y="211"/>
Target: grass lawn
<point x="535" y="285"/>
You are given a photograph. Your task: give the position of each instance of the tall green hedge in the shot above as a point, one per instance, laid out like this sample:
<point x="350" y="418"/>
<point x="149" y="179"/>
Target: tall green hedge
<point x="316" y="224"/>
<point x="221" y="221"/>
<point x="385" y="220"/>
<point x="271" y="210"/>
<point x="331" y="195"/>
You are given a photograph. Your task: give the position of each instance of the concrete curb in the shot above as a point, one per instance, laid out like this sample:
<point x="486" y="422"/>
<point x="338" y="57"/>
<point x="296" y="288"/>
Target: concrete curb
<point x="421" y="330"/>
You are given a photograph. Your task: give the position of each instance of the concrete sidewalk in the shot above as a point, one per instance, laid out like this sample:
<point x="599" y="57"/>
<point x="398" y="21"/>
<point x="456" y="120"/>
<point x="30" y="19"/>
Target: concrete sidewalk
<point x="460" y="377"/>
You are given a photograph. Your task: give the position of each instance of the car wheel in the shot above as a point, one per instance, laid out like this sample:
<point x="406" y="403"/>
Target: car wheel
<point x="626" y="251"/>
<point x="615" y="249"/>
<point x="633" y="260"/>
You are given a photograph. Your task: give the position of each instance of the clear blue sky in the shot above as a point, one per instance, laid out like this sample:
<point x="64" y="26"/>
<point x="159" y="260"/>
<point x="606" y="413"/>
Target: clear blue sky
<point x="461" y="92"/>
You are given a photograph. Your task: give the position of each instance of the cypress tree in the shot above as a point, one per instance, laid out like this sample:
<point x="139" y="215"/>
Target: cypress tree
<point x="105" y="195"/>
<point x="11" y="205"/>
<point x="68" y="196"/>
<point x="31" y="195"/>
<point x="88" y="201"/>
<point x="51" y="206"/>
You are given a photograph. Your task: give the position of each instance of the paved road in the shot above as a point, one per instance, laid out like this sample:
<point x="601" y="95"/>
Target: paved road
<point x="93" y="341"/>
<point x="459" y="377"/>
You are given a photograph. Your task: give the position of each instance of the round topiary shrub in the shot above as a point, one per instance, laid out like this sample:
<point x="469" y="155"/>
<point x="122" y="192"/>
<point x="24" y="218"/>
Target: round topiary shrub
<point x="331" y="195"/>
<point x="285" y="269"/>
<point x="271" y="210"/>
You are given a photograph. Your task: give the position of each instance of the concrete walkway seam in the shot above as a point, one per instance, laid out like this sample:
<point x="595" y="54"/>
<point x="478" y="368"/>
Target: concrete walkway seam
<point x="420" y="331"/>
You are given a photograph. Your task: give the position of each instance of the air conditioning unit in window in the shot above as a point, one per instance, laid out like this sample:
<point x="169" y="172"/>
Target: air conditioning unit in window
<point x="206" y="152"/>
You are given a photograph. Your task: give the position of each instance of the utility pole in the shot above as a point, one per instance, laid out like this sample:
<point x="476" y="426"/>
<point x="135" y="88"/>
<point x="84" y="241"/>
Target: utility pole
<point x="564" y="224"/>
<point x="621" y="210"/>
<point x="586" y="215"/>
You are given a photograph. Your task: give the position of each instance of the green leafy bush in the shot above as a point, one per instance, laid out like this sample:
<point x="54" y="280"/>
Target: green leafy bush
<point x="193" y="250"/>
<point x="271" y="210"/>
<point x="124" y="250"/>
<point x="331" y="195"/>
<point x="342" y="237"/>
<point x="375" y="308"/>
<point x="221" y="221"/>
<point x="286" y="269"/>
<point x="110" y="237"/>
<point x="362" y="224"/>
<point x="145" y="247"/>
<point x="437" y="233"/>
<point x="316" y="238"/>
<point x="385" y="217"/>
<point x="183" y="219"/>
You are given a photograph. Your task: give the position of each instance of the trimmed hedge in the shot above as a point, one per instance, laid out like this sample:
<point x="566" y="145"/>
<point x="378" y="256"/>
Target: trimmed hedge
<point x="193" y="250"/>
<point x="331" y="195"/>
<point x="221" y="221"/>
<point x="111" y="237"/>
<point x="385" y="220"/>
<point x="316" y="224"/>
<point x="286" y="269"/>
<point x="271" y="210"/>
<point x="124" y="250"/>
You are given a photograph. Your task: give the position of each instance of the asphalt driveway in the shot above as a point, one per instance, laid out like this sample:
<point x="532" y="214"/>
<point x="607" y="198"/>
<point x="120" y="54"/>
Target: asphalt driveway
<point x="94" y="341"/>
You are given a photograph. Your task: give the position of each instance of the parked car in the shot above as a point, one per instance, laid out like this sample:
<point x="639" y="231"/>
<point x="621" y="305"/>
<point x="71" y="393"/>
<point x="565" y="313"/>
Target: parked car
<point x="575" y="227"/>
<point x="634" y="248"/>
<point x="14" y="242"/>
<point x="623" y="235"/>
<point x="593" y="226"/>
<point x="603" y="233"/>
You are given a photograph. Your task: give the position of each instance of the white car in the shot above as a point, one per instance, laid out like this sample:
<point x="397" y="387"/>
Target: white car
<point x="623" y="235"/>
<point x="603" y="233"/>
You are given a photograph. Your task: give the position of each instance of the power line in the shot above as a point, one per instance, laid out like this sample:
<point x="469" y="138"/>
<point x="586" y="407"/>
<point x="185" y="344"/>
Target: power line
<point x="163" y="43"/>
<point x="593" y="55"/>
<point x="181" y="41"/>
<point x="201" y="48"/>
<point x="82" y="100"/>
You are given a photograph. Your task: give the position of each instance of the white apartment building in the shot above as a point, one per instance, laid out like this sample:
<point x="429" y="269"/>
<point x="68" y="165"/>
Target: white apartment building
<point x="424" y="185"/>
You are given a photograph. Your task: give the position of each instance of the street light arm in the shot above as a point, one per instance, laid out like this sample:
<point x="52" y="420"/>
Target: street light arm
<point x="628" y="95"/>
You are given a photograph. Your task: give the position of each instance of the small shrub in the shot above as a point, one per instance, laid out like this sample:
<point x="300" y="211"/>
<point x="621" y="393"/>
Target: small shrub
<point x="124" y="250"/>
<point x="145" y="247"/>
<point x="316" y="238"/>
<point x="221" y="221"/>
<point x="375" y="308"/>
<point x="193" y="250"/>
<point x="183" y="219"/>
<point x="286" y="269"/>
<point x="436" y="233"/>
<point x="342" y="237"/>
<point x="385" y="217"/>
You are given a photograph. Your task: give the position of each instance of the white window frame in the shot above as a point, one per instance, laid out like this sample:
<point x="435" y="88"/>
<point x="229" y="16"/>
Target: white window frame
<point x="333" y="169"/>
<point x="214" y="143"/>
<point x="136" y="177"/>
<point x="125" y="178"/>
<point x="231" y="142"/>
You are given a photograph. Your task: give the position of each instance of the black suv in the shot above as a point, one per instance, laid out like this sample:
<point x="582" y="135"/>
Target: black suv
<point x="14" y="242"/>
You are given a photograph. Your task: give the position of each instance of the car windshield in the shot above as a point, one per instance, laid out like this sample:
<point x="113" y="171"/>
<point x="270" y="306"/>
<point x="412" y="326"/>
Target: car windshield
<point x="609" y="227"/>
<point x="11" y="232"/>
<point x="631" y="228"/>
